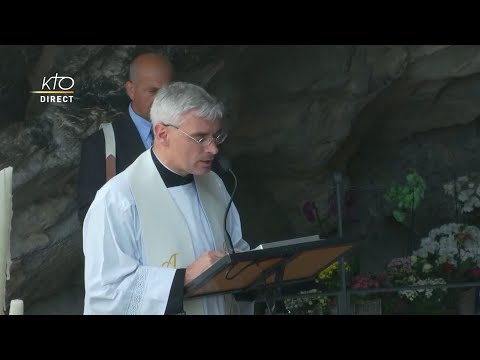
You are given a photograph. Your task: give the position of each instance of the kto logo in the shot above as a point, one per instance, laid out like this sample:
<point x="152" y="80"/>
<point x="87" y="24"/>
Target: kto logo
<point x="56" y="85"/>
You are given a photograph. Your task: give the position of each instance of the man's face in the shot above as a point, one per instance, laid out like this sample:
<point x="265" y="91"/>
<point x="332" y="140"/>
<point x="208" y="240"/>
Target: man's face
<point x="189" y="157"/>
<point x="144" y="87"/>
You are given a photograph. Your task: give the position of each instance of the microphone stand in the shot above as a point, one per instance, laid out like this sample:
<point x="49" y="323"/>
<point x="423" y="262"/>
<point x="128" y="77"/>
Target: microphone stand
<point x="226" y="166"/>
<point x="230" y="243"/>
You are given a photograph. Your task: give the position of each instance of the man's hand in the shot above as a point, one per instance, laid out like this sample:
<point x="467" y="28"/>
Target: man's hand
<point x="206" y="260"/>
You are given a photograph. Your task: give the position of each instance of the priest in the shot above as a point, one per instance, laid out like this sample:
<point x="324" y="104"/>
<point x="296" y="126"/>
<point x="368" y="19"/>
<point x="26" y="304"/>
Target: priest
<point x="157" y="225"/>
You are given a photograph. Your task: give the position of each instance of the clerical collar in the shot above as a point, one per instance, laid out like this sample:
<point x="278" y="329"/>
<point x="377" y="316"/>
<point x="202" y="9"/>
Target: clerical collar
<point x="170" y="178"/>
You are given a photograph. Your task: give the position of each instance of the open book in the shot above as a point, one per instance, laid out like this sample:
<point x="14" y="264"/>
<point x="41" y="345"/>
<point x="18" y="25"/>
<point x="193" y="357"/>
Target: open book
<point x="282" y="262"/>
<point x="288" y="242"/>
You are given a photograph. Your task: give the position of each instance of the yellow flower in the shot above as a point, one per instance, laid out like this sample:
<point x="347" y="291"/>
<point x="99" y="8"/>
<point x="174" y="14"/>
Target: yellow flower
<point x="332" y="271"/>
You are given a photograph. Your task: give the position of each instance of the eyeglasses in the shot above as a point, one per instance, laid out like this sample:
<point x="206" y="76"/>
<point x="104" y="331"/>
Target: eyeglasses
<point x="206" y="141"/>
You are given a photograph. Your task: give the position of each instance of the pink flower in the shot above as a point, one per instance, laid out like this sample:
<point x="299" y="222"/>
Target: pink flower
<point x="399" y="262"/>
<point x="447" y="267"/>
<point x="364" y="282"/>
<point x="476" y="272"/>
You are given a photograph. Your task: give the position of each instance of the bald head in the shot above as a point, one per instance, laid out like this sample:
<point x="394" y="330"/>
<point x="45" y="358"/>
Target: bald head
<point x="148" y="73"/>
<point x="149" y="62"/>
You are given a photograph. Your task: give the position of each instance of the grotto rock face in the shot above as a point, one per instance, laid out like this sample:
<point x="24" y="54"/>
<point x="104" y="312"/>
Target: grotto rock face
<point x="296" y="114"/>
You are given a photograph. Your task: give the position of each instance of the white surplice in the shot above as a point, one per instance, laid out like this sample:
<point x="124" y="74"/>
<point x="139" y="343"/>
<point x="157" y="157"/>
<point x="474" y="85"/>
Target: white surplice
<point x="117" y="277"/>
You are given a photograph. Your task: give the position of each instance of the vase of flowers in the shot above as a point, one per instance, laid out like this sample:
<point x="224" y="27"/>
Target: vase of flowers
<point x="329" y="278"/>
<point x="409" y="271"/>
<point x="428" y="301"/>
<point x="465" y="304"/>
<point x="451" y="251"/>
<point x="309" y="303"/>
<point x="368" y="303"/>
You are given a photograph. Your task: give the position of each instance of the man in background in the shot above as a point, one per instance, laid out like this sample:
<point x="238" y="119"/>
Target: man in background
<point x="131" y="133"/>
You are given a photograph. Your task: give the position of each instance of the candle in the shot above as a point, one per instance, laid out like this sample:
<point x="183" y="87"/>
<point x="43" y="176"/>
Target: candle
<point x="5" y="227"/>
<point x="16" y="307"/>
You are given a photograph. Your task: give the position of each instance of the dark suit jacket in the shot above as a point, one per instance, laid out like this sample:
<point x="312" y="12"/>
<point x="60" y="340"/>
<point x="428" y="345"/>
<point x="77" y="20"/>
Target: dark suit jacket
<point x="91" y="175"/>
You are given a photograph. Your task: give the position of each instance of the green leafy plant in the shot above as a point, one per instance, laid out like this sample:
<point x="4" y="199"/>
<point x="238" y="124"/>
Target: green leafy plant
<point x="406" y="197"/>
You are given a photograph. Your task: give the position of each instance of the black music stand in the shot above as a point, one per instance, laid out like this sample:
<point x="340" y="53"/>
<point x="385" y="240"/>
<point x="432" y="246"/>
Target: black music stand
<point x="264" y="272"/>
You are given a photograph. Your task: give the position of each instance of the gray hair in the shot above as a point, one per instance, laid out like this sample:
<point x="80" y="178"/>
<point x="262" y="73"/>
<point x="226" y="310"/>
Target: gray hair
<point x="175" y="100"/>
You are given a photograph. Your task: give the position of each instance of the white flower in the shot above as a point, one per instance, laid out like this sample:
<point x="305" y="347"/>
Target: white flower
<point x="475" y="201"/>
<point x="412" y="294"/>
<point x="463" y="196"/>
<point x="467" y="190"/>
<point x="452" y="243"/>
<point x="426" y="268"/>
<point x="468" y="207"/>
<point x="448" y="188"/>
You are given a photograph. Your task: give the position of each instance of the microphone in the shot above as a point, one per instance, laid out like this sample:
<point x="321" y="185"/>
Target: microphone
<point x="226" y="166"/>
<point x="224" y="163"/>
